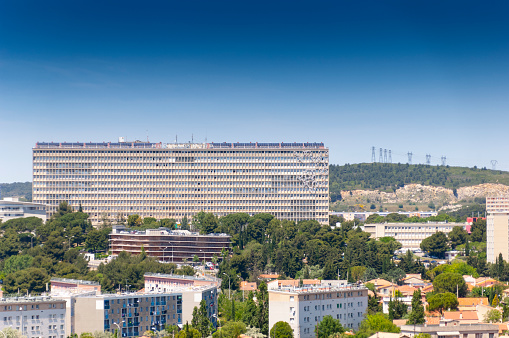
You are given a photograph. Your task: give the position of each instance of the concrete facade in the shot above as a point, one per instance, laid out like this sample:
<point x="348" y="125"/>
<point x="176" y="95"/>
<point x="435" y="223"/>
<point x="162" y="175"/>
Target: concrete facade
<point x="34" y="316"/>
<point x="452" y="329"/>
<point x="497" y="236"/>
<point x="163" y="180"/>
<point x="303" y="308"/>
<point x="11" y="208"/>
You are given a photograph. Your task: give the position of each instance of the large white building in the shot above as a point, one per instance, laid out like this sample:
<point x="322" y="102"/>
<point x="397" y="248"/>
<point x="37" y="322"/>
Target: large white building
<point x="35" y="317"/>
<point x="288" y="180"/>
<point x="497" y="228"/>
<point x="304" y="307"/>
<point x="410" y="235"/>
<point x="11" y="208"/>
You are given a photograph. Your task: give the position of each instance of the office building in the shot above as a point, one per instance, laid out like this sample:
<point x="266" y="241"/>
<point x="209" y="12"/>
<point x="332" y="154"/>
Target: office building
<point x="497" y="228"/>
<point x="34" y="316"/>
<point x="173" y="246"/>
<point x="288" y="180"/>
<point x="410" y="235"/>
<point x="11" y="207"/>
<point x="304" y="307"/>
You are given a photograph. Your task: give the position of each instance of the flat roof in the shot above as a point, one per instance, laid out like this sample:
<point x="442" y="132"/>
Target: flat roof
<point x="74" y="281"/>
<point x="16" y="299"/>
<point x="161" y="145"/>
<point x="318" y="289"/>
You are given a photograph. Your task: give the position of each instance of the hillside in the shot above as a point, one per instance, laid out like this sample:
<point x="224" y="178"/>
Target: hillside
<point x="17" y="189"/>
<point x="388" y="177"/>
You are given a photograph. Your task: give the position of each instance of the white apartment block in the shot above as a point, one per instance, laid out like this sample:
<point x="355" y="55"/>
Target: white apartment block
<point x="497" y="228"/>
<point x="410" y="235"/>
<point x="11" y="208"/>
<point x="287" y="180"/>
<point x="35" y="317"/>
<point x="303" y="308"/>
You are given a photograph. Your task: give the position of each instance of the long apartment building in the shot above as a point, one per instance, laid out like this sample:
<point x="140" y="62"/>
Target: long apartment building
<point x="497" y="228"/>
<point x="304" y="307"/>
<point x="288" y="180"/>
<point x="410" y="235"/>
<point x="172" y="246"/>
<point x="34" y="317"/>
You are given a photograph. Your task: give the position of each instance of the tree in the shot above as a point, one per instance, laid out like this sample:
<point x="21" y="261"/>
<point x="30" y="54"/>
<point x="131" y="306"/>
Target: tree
<point x="203" y="322"/>
<point x="457" y="236"/>
<point x="436" y="244"/>
<point x="263" y="308"/>
<point x="328" y="326"/>
<point x="495" y="301"/>
<point x="249" y="315"/>
<point x="442" y="301"/>
<point x="17" y="263"/>
<point x="450" y="282"/>
<point x="134" y="220"/>
<point x="281" y="330"/>
<point x="492" y="316"/>
<point x="230" y="330"/>
<point x="188" y="332"/>
<point x="397" y="309"/>
<point x="184" y="224"/>
<point x="377" y="323"/>
<point x="10" y="332"/>
<point x="28" y="280"/>
<point x="417" y="314"/>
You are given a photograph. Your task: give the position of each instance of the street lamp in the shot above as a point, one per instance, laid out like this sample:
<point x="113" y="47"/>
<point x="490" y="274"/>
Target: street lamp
<point x="118" y="326"/>
<point x="229" y="279"/>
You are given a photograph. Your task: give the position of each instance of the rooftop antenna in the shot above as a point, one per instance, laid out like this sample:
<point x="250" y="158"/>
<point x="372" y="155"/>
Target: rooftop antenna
<point x="494" y="164"/>
<point x="380" y="157"/>
<point x="373" y="155"/>
<point x="192" y="138"/>
<point x="176" y="138"/>
<point x="147" y="136"/>
<point x="385" y="155"/>
<point x="390" y="156"/>
<point x="409" y="157"/>
<point x="428" y="159"/>
<point x="444" y="159"/>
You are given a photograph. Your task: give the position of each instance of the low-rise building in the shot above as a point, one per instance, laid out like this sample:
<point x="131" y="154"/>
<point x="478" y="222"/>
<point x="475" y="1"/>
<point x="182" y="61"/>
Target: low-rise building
<point x="160" y="282"/>
<point x="452" y="329"/>
<point x="11" y="208"/>
<point x="410" y="235"/>
<point x="34" y="316"/>
<point x="59" y="285"/>
<point x="173" y="246"/>
<point x="304" y="307"/>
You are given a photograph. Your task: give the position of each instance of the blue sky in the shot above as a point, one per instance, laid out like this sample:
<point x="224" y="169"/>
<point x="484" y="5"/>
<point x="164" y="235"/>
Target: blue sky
<point x="431" y="77"/>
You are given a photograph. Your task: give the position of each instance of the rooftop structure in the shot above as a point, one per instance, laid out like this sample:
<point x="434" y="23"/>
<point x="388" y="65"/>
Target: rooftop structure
<point x="288" y="180"/>
<point x="159" y="282"/>
<point x="173" y="246"/>
<point x="452" y="329"/>
<point x="74" y="285"/>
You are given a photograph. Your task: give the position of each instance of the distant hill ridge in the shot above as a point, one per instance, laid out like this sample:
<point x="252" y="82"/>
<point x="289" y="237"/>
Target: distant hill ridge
<point x="388" y="177"/>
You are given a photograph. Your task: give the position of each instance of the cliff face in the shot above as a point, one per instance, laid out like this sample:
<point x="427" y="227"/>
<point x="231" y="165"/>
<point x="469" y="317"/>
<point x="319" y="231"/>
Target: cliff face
<point x="419" y="194"/>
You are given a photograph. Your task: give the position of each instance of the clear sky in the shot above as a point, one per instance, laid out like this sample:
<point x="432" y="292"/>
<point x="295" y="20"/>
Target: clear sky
<point x="431" y="77"/>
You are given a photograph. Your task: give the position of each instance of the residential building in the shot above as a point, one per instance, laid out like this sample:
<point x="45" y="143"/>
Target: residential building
<point x="173" y="246"/>
<point x="410" y="235"/>
<point x="59" y="285"/>
<point x="363" y="215"/>
<point x="11" y="208"/>
<point x="452" y="329"/>
<point x="163" y="180"/>
<point x="160" y="282"/>
<point x="34" y="316"/>
<point x="497" y="204"/>
<point x="497" y="234"/>
<point x="304" y="307"/>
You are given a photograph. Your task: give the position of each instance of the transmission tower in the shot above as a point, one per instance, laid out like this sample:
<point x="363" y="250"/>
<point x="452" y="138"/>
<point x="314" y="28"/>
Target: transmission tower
<point x="494" y="164"/>
<point x="385" y="155"/>
<point x="390" y="156"/>
<point x="373" y="156"/>
<point x="380" y="157"/>
<point x="428" y="159"/>
<point x="409" y="157"/>
<point x="443" y="159"/>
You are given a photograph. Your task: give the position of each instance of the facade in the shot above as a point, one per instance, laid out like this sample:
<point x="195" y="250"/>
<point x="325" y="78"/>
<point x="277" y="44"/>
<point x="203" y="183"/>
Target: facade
<point x="34" y="316"/>
<point x="59" y="285"/>
<point x="497" y="228"/>
<point x="452" y="329"/>
<point x="11" y="208"/>
<point x="303" y="308"/>
<point x="168" y="245"/>
<point x="410" y="235"/>
<point x="288" y="180"/>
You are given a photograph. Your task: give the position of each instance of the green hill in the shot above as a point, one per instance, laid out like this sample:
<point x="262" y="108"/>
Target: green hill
<point x="17" y="189"/>
<point x="388" y="177"/>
